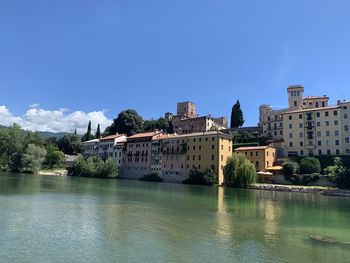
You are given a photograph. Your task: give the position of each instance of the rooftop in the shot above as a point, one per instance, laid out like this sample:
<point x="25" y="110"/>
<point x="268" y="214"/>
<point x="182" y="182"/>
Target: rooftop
<point x="312" y="109"/>
<point x="144" y="135"/>
<point x="252" y="148"/>
<point x="111" y="137"/>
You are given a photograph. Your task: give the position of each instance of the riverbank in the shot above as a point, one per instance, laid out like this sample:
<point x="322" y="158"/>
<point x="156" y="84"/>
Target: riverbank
<point x="54" y="172"/>
<point x="296" y="188"/>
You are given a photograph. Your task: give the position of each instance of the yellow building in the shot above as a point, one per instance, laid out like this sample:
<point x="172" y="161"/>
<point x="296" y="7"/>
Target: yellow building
<point x="317" y="131"/>
<point x="208" y="150"/>
<point x="263" y="157"/>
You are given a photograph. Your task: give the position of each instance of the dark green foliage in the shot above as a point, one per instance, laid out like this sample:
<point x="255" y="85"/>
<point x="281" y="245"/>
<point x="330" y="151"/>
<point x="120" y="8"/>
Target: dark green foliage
<point x="310" y="165"/>
<point x="33" y="158"/>
<point x="88" y="135"/>
<point x="94" y="167"/>
<point x="98" y="132"/>
<point x="338" y="173"/>
<point x="54" y="158"/>
<point x="13" y="144"/>
<point x="127" y="122"/>
<point x="239" y="171"/>
<point x="237" y="116"/>
<point x="208" y="177"/>
<point x="290" y="169"/>
<point x="70" y="144"/>
<point x="152" y="125"/>
<point x="75" y="131"/>
<point x="152" y="177"/>
<point x="328" y="160"/>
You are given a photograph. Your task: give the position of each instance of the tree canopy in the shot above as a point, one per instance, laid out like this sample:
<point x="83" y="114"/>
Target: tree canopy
<point x="239" y="171"/>
<point x="70" y="144"/>
<point x="237" y="116"/>
<point x="128" y="122"/>
<point x="88" y="135"/>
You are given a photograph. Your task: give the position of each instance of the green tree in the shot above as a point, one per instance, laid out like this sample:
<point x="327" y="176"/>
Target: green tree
<point x="33" y="158"/>
<point x="88" y="135"/>
<point x="290" y="169"/>
<point x="152" y="125"/>
<point x="239" y="171"/>
<point x="75" y="131"/>
<point x="94" y="167"/>
<point x="98" y="132"/>
<point x="54" y="158"/>
<point x="70" y="144"/>
<point x="237" y="115"/>
<point x="127" y="122"/>
<point x="338" y="173"/>
<point x="208" y="177"/>
<point x="310" y="165"/>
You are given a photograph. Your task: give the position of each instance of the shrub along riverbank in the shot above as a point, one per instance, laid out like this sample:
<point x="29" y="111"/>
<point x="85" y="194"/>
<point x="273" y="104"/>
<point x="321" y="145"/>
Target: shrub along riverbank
<point x="93" y="167"/>
<point x="308" y="170"/>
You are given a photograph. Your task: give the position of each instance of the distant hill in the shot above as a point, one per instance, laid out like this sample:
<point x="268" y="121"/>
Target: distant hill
<point x="46" y="135"/>
<point x="57" y="135"/>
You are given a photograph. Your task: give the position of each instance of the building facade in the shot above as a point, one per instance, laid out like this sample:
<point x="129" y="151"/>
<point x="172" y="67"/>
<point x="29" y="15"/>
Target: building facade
<point x="138" y="155"/>
<point x="263" y="157"/>
<point x="317" y="131"/>
<point x="187" y="121"/>
<point x="270" y="120"/>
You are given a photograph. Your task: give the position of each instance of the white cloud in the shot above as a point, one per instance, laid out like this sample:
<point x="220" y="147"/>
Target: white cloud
<point x="61" y="120"/>
<point x="34" y="105"/>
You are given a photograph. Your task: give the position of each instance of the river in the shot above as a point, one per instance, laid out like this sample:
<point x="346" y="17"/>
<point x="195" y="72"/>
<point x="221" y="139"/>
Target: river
<point x="66" y="219"/>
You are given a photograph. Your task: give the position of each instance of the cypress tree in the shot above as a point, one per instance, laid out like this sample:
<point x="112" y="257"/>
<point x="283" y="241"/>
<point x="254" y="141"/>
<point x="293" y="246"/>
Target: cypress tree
<point x="87" y="136"/>
<point x="75" y="131"/>
<point x="98" y="132"/>
<point x="236" y="116"/>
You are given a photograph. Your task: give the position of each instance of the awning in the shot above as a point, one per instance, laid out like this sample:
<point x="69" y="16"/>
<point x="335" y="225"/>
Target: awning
<point x="274" y="168"/>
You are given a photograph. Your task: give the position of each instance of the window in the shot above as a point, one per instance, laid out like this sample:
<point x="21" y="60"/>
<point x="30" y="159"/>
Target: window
<point x="193" y="157"/>
<point x="222" y="146"/>
<point x="291" y="135"/>
<point x="318" y="124"/>
<point x="222" y="158"/>
<point x="319" y="152"/>
<point x="328" y="133"/>
<point x="319" y="134"/>
<point x="194" y="147"/>
<point x="336" y="142"/>
<point x="301" y="144"/>
<point x="336" y="133"/>
<point x="200" y="147"/>
<point x="337" y="152"/>
<point x="347" y="140"/>
<point x="346" y="127"/>
<point x="290" y="126"/>
<point x="335" y="113"/>
<point x="328" y="152"/>
<point x="317" y="114"/>
<point x="199" y="157"/>
<point x="300" y="116"/>
<point x="346" y="116"/>
<point x="251" y="153"/>
<point x="212" y="157"/>
<point x="290" y="117"/>
<point x="300" y="125"/>
<point x="256" y="154"/>
<point x="301" y="135"/>
<point x="319" y="143"/>
<point x="336" y="122"/>
<point x="327" y="123"/>
<point x="212" y="146"/>
<point x="290" y="144"/>
<point x="326" y="113"/>
<point x="257" y="163"/>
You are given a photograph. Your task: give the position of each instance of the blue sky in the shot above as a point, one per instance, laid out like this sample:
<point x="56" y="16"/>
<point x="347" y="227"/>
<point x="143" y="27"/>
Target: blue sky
<point x="80" y="60"/>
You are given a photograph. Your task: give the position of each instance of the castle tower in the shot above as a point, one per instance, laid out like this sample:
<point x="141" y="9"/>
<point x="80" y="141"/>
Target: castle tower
<point x="295" y="96"/>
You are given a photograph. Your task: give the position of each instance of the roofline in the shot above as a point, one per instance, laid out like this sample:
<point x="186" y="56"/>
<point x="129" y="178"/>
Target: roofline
<point x="312" y="109"/>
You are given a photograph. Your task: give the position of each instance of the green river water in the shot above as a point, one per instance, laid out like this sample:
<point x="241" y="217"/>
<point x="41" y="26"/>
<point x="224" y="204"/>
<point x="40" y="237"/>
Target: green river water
<point x="65" y="219"/>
